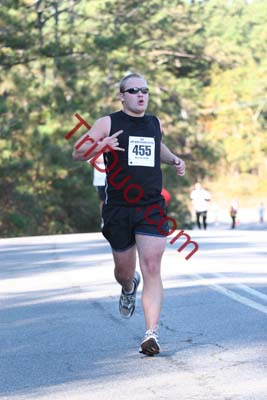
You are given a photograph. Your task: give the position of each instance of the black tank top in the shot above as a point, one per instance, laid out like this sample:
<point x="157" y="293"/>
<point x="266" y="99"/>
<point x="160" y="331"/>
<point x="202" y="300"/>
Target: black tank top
<point x="134" y="177"/>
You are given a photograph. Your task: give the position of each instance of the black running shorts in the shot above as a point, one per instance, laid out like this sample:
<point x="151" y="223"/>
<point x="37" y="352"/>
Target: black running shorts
<point x="121" y="224"/>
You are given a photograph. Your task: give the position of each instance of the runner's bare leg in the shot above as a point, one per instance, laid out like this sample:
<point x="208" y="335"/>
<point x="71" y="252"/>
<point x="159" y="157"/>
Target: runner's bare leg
<point x="125" y="263"/>
<point x="150" y="250"/>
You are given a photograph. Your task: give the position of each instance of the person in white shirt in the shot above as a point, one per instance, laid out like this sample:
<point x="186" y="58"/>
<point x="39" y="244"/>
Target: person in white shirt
<point x="99" y="180"/>
<point x="200" y="198"/>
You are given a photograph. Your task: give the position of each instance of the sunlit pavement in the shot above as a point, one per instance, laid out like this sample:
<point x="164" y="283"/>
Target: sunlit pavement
<point x="62" y="336"/>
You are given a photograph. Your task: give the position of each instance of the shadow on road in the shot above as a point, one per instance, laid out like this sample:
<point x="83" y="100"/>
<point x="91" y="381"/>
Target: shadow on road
<point x="36" y="258"/>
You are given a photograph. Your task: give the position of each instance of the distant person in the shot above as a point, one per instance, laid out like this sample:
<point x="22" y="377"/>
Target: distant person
<point x="167" y="196"/>
<point x="233" y="213"/>
<point x="261" y="210"/>
<point x="99" y="180"/>
<point x="200" y="198"/>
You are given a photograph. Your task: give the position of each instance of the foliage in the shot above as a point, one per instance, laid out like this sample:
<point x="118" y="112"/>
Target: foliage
<point x="61" y="57"/>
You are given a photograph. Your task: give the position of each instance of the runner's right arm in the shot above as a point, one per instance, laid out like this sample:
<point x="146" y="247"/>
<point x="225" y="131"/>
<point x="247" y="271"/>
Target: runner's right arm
<point x="96" y="139"/>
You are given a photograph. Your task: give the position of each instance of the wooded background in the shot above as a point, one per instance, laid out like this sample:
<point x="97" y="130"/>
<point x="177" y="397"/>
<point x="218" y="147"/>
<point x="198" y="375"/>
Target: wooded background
<point x="206" y="65"/>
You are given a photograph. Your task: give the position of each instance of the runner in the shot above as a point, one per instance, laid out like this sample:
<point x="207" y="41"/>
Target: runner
<point x="135" y="138"/>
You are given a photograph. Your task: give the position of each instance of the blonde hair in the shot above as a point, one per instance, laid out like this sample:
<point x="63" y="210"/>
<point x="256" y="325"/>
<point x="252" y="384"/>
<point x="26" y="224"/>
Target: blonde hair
<point x="126" y="78"/>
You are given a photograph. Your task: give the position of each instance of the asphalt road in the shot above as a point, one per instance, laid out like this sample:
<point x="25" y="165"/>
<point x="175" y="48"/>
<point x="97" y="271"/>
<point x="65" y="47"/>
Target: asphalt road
<point x="61" y="335"/>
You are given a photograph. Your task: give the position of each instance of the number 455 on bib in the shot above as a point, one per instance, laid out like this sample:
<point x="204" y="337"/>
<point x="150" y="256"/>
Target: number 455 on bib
<point x="141" y="151"/>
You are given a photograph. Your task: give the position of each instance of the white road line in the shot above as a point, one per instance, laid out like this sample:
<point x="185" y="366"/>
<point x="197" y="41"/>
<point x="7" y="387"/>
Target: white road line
<point x="243" y="287"/>
<point x="235" y="296"/>
<point x="253" y="291"/>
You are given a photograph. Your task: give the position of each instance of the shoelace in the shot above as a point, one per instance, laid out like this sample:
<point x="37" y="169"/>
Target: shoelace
<point x="152" y="332"/>
<point x="127" y="299"/>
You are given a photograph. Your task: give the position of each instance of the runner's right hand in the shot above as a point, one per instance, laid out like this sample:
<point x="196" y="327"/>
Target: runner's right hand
<point x="112" y="141"/>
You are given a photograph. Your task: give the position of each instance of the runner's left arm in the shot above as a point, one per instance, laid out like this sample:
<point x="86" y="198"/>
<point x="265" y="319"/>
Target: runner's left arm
<point x="167" y="157"/>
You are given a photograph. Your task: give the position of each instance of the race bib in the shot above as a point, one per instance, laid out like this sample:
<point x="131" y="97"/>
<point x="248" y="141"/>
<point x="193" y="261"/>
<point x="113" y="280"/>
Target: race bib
<point x="141" y="151"/>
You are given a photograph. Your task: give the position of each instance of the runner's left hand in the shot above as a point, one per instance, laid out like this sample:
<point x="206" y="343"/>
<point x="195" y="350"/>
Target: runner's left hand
<point x="179" y="166"/>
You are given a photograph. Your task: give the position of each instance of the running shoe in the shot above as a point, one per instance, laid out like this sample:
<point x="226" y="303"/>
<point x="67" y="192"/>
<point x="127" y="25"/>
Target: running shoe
<point x="127" y="301"/>
<point x="150" y="343"/>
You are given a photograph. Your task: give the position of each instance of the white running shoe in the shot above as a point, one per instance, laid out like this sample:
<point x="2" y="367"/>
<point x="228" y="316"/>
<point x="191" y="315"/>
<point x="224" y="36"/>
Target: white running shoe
<point x="150" y="343"/>
<point x="127" y="301"/>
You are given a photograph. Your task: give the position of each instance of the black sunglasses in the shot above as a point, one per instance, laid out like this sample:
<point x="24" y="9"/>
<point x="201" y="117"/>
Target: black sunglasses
<point x="136" y="90"/>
